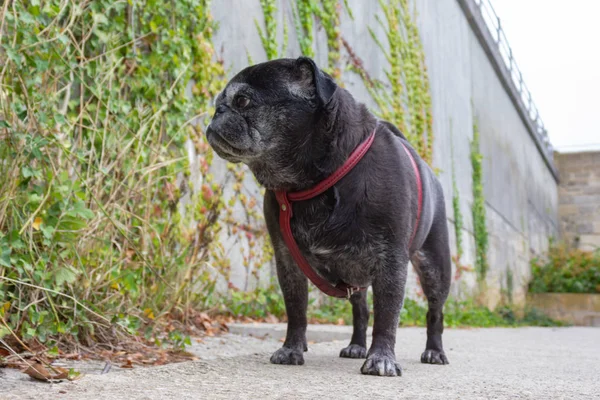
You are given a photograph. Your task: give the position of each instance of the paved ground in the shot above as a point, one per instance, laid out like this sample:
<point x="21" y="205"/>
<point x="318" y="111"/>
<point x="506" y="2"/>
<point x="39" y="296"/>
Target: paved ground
<point x="536" y="363"/>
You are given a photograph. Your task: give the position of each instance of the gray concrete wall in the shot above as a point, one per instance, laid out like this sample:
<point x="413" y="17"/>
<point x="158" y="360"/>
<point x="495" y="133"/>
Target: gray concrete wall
<point x="520" y="190"/>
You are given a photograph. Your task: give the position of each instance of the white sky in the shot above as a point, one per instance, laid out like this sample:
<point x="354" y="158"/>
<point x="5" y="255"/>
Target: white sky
<point x="557" y="46"/>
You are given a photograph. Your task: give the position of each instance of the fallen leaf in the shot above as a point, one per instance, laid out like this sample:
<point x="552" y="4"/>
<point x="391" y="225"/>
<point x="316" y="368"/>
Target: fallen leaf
<point x="149" y="313"/>
<point x="72" y="356"/>
<point x="4" y="352"/>
<point x="5" y="307"/>
<point x="206" y="325"/>
<point x="127" y="364"/>
<point x="271" y="319"/>
<point x="36" y="223"/>
<point x="40" y="372"/>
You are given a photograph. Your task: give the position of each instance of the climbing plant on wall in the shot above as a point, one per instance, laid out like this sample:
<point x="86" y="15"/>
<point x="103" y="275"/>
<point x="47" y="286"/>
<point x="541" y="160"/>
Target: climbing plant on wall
<point x="268" y="37"/>
<point x="404" y="99"/>
<point x="304" y="20"/>
<point x="329" y="14"/>
<point x="479" y="222"/>
<point x="458" y="218"/>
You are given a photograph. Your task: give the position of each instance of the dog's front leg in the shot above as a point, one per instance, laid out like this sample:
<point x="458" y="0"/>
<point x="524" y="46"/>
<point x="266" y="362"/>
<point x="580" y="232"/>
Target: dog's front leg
<point x="360" y="319"/>
<point x="295" y="294"/>
<point x="388" y="296"/>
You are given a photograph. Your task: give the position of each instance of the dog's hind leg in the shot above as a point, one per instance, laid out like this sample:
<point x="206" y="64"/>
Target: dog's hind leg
<point x="360" y="320"/>
<point x="434" y="268"/>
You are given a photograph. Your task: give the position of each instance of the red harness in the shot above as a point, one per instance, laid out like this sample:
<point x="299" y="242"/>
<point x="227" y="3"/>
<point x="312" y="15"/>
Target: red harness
<point x="286" y="199"/>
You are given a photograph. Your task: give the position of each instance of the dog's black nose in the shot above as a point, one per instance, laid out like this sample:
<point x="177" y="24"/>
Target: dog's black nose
<point x="220" y="109"/>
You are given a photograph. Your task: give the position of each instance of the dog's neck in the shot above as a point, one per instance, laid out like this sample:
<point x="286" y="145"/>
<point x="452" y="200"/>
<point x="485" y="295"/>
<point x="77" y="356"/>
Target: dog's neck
<point x="344" y="124"/>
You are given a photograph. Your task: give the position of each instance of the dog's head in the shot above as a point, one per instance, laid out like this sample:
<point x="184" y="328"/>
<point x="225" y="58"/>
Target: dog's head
<point x="268" y="112"/>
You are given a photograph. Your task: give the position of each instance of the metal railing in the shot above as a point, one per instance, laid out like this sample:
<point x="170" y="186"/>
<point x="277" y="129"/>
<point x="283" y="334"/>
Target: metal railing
<point x="495" y="27"/>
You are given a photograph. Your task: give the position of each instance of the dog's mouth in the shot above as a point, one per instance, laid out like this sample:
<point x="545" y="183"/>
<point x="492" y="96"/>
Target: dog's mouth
<point x="225" y="148"/>
<point x="234" y="150"/>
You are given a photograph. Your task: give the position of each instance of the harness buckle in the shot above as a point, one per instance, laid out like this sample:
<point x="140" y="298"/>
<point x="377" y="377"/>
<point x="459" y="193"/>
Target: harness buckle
<point x="350" y="290"/>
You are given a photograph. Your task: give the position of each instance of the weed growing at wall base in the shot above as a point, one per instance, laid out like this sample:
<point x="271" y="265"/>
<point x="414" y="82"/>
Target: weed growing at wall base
<point x="566" y="270"/>
<point x="264" y="304"/>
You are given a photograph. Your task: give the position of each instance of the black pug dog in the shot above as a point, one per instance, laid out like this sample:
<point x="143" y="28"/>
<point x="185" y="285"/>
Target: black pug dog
<point x="293" y="126"/>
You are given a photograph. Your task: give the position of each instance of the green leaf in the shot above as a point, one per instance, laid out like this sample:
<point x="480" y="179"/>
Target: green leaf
<point x="13" y="54"/>
<point x="53" y="352"/>
<point x="65" y="274"/>
<point x="5" y="256"/>
<point x="100" y="19"/>
<point x="69" y="223"/>
<point x="28" y="172"/>
<point x="35" y="8"/>
<point x="59" y="118"/>
<point x="47" y="231"/>
<point x="26" y="18"/>
<point x="4" y="331"/>
<point x="80" y="210"/>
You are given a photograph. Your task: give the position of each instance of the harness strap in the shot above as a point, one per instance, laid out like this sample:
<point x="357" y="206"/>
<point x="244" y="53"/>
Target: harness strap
<point x="286" y="199"/>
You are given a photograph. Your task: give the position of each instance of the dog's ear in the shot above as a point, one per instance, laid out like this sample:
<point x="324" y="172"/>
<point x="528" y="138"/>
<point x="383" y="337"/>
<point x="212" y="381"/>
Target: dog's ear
<point x="313" y="80"/>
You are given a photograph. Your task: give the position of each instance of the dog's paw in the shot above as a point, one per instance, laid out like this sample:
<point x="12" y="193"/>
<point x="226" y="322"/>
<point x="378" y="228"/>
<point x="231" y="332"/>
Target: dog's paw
<point x="354" y="351"/>
<point x="288" y="356"/>
<point x="382" y="365"/>
<point x="434" y="357"/>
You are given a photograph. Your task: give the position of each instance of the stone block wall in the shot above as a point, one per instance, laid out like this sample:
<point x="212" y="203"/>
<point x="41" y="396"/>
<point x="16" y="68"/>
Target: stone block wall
<point x="579" y="198"/>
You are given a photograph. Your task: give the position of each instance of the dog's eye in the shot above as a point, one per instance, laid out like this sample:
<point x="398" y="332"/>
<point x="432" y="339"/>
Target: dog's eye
<point x="242" y="102"/>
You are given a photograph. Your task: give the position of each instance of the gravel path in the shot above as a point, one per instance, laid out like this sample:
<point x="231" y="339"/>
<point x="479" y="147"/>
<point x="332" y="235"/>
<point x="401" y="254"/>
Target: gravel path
<point x="536" y="363"/>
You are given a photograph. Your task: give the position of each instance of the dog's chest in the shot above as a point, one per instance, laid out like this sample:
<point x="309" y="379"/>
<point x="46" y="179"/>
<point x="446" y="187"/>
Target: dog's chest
<point x="338" y="247"/>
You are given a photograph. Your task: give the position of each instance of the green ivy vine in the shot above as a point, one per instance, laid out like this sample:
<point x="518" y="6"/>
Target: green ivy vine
<point x="304" y="19"/>
<point x="268" y="37"/>
<point x="329" y="15"/>
<point x="408" y="103"/>
<point x="458" y="217"/>
<point x="479" y="215"/>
